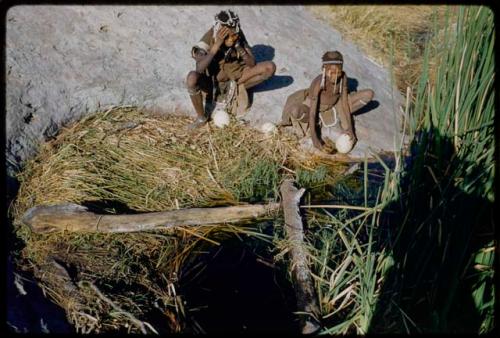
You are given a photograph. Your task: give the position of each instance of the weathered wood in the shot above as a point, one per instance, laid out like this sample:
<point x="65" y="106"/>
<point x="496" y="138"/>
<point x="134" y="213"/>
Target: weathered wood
<point x="73" y="217"/>
<point x="307" y="301"/>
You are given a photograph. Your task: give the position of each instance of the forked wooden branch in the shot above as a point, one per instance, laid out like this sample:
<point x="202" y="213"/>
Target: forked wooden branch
<point x="307" y="301"/>
<point x="73" y="217"/>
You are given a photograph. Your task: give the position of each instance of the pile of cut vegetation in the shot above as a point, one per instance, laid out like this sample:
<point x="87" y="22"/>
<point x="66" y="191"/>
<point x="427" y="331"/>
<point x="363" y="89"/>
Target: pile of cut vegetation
<point x="125" y="161"/>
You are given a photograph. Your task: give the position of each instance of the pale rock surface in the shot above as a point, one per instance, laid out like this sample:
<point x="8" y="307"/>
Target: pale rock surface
<point x="63" y="62"/>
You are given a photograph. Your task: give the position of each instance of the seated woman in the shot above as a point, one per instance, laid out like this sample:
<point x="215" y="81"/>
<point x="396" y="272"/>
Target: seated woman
<point x="223" y="56"/>
<point x="327" y="97"/>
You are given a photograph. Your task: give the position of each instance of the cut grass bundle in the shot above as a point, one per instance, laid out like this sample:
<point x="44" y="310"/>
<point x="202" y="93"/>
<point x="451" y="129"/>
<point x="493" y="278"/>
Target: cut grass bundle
<point x="125" y="161"/>
<point x="146" y="164"/>
<point x="151" y="164"/>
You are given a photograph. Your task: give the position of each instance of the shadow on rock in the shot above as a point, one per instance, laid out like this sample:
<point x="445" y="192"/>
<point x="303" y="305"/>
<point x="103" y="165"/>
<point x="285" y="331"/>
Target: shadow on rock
<point x="352" y="84"/>
<point x="266" y="53"/>
<point x="28" y="310"/>
<point x="367" y="108"/>
<point x="275" y="82"/>
<point x="263" y="53"/>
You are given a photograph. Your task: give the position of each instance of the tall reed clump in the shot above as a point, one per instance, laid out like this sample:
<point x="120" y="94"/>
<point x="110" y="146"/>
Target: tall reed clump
<point x="444" y="245"/>
<point x="419" y="257"/>
<point x="347" y="250"/>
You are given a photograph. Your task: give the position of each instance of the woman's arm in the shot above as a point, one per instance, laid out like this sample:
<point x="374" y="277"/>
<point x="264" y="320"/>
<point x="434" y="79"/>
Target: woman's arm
<point x="245" y="51"/>
<point x="346" y="108"/>
<point x="203" y="59"/>
<point x="314" y="91"/>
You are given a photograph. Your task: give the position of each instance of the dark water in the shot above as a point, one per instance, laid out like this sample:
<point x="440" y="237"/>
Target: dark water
<point x="234" y="293"/>
<point x="237" y="293"/>
<point x="28" y="311"/>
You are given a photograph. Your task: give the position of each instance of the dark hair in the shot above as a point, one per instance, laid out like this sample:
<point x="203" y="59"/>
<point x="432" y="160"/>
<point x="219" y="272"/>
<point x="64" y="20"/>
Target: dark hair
<point x="332" y="56"/>
<point x="227" y="18"/>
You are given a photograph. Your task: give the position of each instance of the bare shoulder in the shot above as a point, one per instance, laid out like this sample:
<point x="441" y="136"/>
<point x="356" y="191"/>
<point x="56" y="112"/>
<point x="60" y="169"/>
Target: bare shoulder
<point x="201" y="48"/>
<point x="317" y="79"/>
<point x="208" y="36"/>
<point x="315" y="83"/>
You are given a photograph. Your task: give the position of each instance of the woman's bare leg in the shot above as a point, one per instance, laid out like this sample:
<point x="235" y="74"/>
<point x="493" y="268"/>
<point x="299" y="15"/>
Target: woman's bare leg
<point x="193" y="80"/>
<point x="358" y="100"/>
<point x="297" y="112"/>
<point x="252" y="76"/>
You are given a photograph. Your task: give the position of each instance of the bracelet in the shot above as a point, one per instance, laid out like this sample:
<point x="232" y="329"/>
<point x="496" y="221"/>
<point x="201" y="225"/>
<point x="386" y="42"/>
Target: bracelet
<point x="241" y="50"/>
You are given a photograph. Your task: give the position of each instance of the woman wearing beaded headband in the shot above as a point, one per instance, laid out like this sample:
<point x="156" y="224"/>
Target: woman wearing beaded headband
<point x="327" y="97"/>
<point x="224" y="60"/>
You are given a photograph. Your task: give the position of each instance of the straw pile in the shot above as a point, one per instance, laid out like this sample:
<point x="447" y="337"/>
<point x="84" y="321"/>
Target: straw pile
<point x="124" y="161"/>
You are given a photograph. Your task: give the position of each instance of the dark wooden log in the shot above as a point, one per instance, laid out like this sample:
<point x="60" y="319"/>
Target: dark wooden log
<point x="73" y="217"/>
<point x="307" y="301"/>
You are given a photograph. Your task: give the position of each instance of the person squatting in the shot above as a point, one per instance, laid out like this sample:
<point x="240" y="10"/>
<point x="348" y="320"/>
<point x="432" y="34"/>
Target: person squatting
<point x="224" y="60"/>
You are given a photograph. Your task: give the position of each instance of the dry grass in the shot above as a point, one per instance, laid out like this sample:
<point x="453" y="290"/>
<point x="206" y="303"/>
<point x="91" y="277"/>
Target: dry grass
<point x="124" y="160"/>
<point x="145" y="163"/>
<point x="391" y="35"/>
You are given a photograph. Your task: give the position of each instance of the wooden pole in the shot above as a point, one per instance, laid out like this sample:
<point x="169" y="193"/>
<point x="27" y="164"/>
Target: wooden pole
<point x="73" y="217"/>
<point x="307" y="301"/>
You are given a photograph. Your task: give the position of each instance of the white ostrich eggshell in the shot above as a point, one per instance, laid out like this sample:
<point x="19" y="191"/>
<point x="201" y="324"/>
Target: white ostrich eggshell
<point x="268" y="127"/>
<point x="220" y="118"/>
<point x="344" y="143"/>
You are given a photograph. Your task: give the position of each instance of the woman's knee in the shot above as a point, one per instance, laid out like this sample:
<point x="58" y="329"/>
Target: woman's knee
<point x="269" y="68"/>
<point x="192" y="80"/>
<point x="368" y="95"/>
<point x="294" y="112"/>
<point x="360" y="99"/>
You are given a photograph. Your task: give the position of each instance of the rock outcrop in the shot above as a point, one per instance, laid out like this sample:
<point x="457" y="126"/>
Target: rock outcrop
<point x="63" y="62"/>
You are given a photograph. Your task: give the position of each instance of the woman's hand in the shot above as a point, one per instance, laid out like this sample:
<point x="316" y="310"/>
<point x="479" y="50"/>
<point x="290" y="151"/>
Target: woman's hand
<point x="350" y="132"/>
<point x="221" y="35"/>
<point x="328" y="147"/>
<point x="318" y="143"/>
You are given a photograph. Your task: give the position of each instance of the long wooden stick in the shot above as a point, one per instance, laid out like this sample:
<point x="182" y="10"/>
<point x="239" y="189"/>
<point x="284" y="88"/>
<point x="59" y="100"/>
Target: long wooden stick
<point x="73" y="217"/>
<point x="336" y="206"/>
<point x="307" y="301"/>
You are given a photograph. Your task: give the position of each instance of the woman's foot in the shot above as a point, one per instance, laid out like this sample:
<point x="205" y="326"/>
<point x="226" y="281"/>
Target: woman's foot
<point x="242" y="100"/>
<point x="200" y="121"/>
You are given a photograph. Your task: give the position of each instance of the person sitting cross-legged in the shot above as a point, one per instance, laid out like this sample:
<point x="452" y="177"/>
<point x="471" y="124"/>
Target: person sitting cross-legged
<point x="326" y="98"/>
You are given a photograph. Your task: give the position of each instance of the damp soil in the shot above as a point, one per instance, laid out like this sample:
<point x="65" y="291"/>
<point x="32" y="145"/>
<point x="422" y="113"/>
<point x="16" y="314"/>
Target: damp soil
<point x="241" y="291"/>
